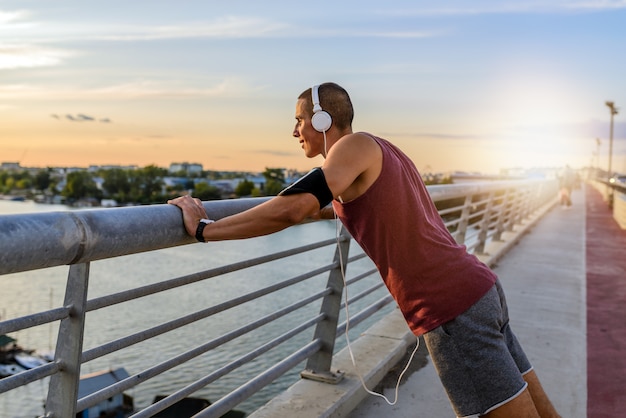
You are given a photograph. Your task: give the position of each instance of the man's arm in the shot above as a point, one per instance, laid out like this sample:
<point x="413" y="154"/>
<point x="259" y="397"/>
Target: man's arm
<point x="272" y="216"/>
<point x="351" y="166"/>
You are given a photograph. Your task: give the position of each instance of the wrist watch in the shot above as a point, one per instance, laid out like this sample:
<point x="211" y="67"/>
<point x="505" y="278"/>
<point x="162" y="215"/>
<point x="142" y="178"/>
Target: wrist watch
<point x="200" y="229"/>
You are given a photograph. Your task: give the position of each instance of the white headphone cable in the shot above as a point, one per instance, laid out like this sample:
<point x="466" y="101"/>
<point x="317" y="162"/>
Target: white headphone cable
<point x="345" y="286"/>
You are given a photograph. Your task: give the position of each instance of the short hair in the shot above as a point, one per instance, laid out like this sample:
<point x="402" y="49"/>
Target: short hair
<point x="335" y="100"/>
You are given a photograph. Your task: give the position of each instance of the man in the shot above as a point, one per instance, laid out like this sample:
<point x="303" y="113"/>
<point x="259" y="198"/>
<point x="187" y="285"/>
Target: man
<point x="444" y="293"/>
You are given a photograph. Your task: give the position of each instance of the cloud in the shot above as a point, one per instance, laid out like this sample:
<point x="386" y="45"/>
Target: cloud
<point x="15" y="25"/>
<point x="14" y="56"/>
<point x="274" y="152"/>
<point x="81" y="117"/>
<point x="229" y="87"/>
<point x="229" y="27"/>
<point x="225" y="27"/>
<point x="598" y="5"/>
<point x="12" y="16"/>
<point x="240" y="28"/>
<point x="506" y="7"/>
<point x="17" y="52"/>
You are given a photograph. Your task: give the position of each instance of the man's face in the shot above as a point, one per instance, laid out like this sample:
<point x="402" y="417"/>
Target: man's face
<point x="311" y="140"/>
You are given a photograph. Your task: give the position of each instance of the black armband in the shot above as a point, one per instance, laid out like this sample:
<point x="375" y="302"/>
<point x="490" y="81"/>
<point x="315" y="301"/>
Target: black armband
<point x="313" y="182"/>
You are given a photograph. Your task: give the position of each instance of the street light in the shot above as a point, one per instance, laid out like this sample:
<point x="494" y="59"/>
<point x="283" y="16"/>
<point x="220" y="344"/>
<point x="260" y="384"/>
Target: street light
<point x="613" y="110"/>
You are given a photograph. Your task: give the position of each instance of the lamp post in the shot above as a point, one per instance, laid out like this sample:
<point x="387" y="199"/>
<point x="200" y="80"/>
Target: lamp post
<point x="613" y="110"/>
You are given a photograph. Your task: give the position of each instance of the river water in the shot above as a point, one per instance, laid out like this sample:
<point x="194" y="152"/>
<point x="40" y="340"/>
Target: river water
<point x="39" y="290"/>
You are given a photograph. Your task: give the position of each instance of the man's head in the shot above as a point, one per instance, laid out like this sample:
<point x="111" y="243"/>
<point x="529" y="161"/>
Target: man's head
<point x="335" y="100"/>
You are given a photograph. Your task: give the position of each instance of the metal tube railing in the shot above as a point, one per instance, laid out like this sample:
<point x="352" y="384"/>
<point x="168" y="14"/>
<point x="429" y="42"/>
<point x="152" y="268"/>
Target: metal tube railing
<point x="95" y="234"/>
<point x="228" y="402"/>
<point x="78" y="238"/>
<point x="188" y="390"/>
<point x="196" y="316"/>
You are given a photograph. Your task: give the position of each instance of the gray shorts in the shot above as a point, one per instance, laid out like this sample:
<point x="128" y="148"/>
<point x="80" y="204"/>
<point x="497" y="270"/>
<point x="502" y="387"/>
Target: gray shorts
<point x="478" y="358"/>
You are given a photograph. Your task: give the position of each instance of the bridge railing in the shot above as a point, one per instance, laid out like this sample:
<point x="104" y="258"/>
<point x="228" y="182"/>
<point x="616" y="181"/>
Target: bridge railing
<point x="475" y="214"/>
<point x="615" y="195"/>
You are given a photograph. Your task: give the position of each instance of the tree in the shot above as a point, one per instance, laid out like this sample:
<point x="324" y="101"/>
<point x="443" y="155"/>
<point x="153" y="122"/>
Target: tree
<point x="23" y="183"/>
<point x="4" y="176"/>
<point x="147" y="183"/>
<point x="116" y="184"/>
<point x="244" y="188"/>
<point x="205" y="191"/>
<point x="274" y="180"/>
<point x="80" y="185"/>
<point x="42" y="180"/>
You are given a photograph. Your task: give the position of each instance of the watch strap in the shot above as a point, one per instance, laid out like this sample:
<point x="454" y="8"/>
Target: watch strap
<point x="200" y="228"/>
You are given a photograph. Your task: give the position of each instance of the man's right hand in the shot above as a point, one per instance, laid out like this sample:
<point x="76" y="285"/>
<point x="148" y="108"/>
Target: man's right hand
<point x="192" y="210"/>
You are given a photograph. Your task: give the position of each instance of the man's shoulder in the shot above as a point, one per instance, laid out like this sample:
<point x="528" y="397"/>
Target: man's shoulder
<point x="359" y="139"/>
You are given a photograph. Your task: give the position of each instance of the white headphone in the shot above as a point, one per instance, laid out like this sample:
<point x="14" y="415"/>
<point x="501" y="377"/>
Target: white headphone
<point x="320" y="120"/>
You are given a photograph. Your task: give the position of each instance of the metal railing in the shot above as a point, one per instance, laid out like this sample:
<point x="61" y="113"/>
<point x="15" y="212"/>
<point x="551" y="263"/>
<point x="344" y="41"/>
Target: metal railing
<point x="474" y="213"/>
<point x="614" y="194"/>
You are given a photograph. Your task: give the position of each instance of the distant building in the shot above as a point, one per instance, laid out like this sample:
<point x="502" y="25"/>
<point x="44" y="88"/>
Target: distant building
<point x="174" y="182"/>
<point x="108" y="203"/>
<point x="94" y="168"/>
<point x="10" y="166"/>
<point x="188" y="168"/>
<point x="69" y="170"/>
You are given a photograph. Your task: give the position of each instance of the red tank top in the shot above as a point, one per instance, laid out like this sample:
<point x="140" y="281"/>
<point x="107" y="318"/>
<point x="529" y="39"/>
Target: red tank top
<point x="432" y="278"/>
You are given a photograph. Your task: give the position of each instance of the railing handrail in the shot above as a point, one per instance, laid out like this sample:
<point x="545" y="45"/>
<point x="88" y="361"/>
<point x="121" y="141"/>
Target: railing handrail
<point x="49" y="239"/>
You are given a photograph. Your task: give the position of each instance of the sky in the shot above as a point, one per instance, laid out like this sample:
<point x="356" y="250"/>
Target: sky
<point x="471" y="86"/>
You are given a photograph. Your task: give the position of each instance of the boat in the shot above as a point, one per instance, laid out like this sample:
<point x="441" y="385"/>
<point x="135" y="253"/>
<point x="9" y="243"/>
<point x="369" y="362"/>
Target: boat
<point x="7" y="370"/>
<point x="28" y="360"/>
<point x="15" y="359"/>
<point x="189" y="407"/>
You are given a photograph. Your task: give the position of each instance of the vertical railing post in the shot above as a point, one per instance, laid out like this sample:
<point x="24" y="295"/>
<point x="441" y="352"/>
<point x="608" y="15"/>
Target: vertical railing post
<point x="511" y="210"/>
<point x="464" y="220"/>
<point x="63" y="389"/>
<point x="529" y="199"/>
<point x="484" y="225"/>
<point x="520" y="203"/>
<point x="318" y="365"/>
<point x="502" y="213"/>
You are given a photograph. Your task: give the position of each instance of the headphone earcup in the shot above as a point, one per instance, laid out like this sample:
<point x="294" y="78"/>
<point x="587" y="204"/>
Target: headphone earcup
<point x="321" y="121"/>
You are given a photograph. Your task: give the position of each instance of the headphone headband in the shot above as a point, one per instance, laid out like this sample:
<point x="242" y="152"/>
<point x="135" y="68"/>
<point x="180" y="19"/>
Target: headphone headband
<point x="320" y="120"/>
<point x="315" y="93"/>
